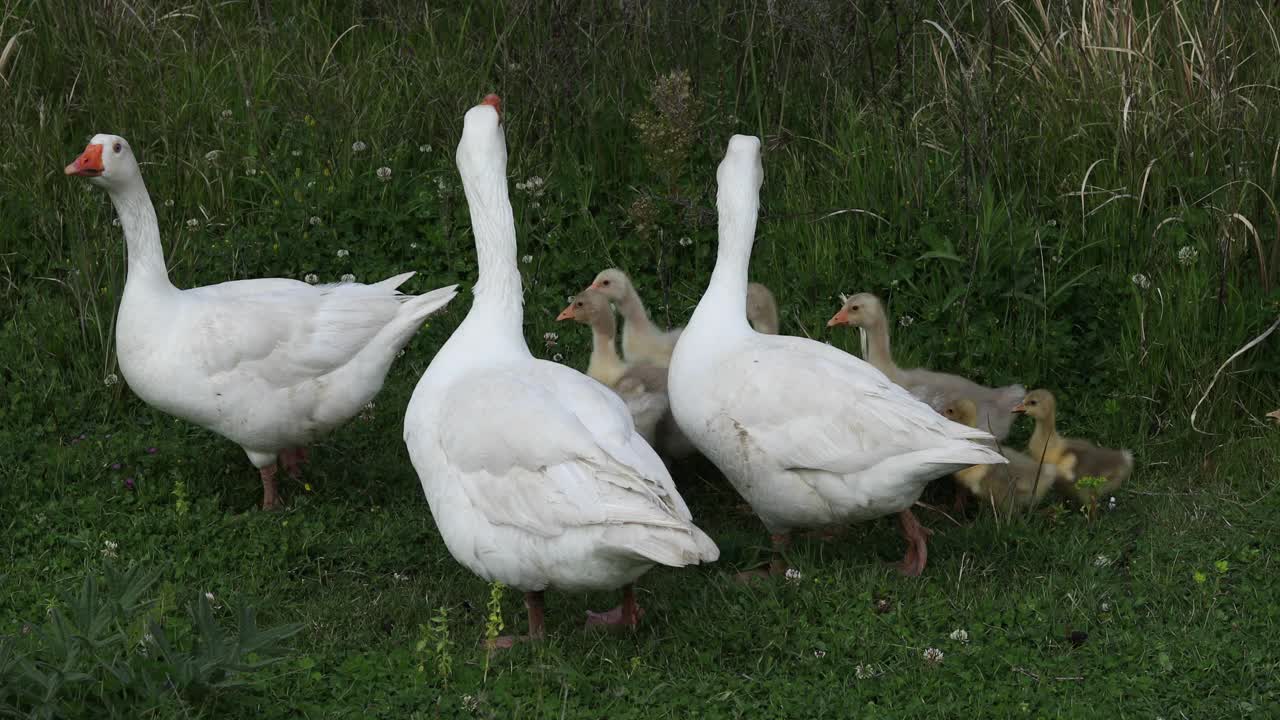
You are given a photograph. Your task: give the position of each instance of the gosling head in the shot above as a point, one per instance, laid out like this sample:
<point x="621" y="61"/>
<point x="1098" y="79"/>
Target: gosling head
<point x="962" y="411"/>
<point x="612" y="283"/>
<point x="862" y="310"/>
<point x="1039" y="404"/>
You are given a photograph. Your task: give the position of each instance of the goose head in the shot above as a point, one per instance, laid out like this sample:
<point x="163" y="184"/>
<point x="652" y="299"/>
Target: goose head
<point x="613" y="284"/>
<point x="739" y="178"/>
<point x="862" y="310"/>
<point x="962" y="411"/>
<point x="482" y="150"/>
<point x="1039" y="404"/>
<point x="107" y="161"/>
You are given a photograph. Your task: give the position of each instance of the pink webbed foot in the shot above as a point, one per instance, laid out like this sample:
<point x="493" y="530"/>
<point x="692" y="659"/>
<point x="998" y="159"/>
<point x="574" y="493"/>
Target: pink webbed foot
<point x="777" y="565"/>
<point x="626" y="615"/>
<point x="533" y="603"/>
<point x="917" y="537"/>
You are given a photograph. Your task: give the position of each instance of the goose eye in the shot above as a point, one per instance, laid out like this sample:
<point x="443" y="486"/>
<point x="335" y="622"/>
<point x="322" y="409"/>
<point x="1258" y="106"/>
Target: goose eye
<point x="853" y="307"/>
<point x="578" y="304"/>
<point x="117" y="148"/>
<point x="605" y="283"/>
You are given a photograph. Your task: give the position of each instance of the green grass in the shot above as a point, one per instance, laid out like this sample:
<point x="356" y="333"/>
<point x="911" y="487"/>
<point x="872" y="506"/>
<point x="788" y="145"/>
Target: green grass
<point x="997" y="172"/>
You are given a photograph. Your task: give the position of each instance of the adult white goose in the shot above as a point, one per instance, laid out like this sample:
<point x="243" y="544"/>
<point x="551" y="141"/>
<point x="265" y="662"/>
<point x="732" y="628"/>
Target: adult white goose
<point x="809" y="435"/>
<point x="270" y="364"/>
<point x="534" y="472"/>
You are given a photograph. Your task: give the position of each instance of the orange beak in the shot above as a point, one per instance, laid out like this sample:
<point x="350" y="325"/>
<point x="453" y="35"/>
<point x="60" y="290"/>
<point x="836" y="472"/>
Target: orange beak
<point x="594" y="286"/>
<point x="1019" y="408"/>
<point x="565" y="314"/>
<point x="840" y="318"/>
<point x="89" y="164"/>
<point x="494" y="102"/>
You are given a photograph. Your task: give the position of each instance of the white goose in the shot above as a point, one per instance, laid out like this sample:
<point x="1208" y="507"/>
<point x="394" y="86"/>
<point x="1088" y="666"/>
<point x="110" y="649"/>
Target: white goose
<point x="270" y="364"/>
<point x="534" y="473"/>
<point x="809" y="435"/>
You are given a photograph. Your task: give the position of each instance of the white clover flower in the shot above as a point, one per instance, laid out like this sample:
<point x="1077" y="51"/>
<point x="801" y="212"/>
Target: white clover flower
<point x="109" y="548"/>
<point x="864" y="672"/>
<point x="115" y="222"/>
<point x="1105" y="607"/>
<point x="557" y="357"/>
<point x="311" y="184"/>
<point x="526" y="259"/>
<point x="400" y="577"/>
<point x="469" y="703"/>
<point x="110" y="379"/>
<point x="226" y="114"/>
<point x="933" y="655"/>
<point x="535" y="204"/>
<point x="250" y="172"/>
<point x="311" y="278"/>
<point x="384" y="174"/>
<point x="906" y="320"/>
<point x="819" y="654"/>
<point x="213" y="601"/>
<point x="535" y="182"/>
<point x="1111" y="503"/>
<point x="550" y="337"/>
<point x="413" y="246"/>
<point x="1187" y="255"/>
<point x="168" y="203"/>
<point x="296" y="153"/>
<point x="315" y="221"/>
<point x="193" y="223"/>
<point x="520" y="185"/>
<point x="400" y="354"/>
<point x="686" y="241"/>
<point x="960" y="636"/>
<point x="793" y="575"/>
<point x="513" y="67"/>
<point x="441" y="182"/>
<point x="212" y="155"/>
<point x="424" y="148"/>
<point x="343" y="252"/>
<point x="359" y="146"/>
<point x="1053" y="223"/>
<point x="1102" y="561"/>
<point x="348" y="278"/>
<point x="1142" y="281"/>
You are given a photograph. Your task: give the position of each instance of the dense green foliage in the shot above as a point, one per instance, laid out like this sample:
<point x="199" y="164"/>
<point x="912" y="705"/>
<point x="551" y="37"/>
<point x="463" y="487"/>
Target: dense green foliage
<point x="1073" y="195"/>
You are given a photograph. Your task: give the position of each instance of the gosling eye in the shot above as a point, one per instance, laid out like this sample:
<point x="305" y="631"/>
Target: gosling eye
<point x="117" y="148"/>
<point x="604" y="283"/>
<point x="1033" y="402"/>
<point x="578" y="304"/>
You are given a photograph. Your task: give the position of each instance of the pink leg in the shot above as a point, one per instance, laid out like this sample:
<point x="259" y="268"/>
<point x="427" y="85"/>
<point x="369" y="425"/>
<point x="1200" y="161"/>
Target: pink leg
<point x="777" y="564"/>
<point x="627" y="614"/>
<point x="293" y="459"/>
<point x="532" y="602"/>
<point x="270" y="494"/>
<point x="917" y="537"/>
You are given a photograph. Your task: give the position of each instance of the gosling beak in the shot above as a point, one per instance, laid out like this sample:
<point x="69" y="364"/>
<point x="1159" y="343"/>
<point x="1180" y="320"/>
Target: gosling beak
<point x="565" y="314"/>
<point x="840" y="318"/>
<point x="89" y="164"/>
<point x="1019" y="408"/>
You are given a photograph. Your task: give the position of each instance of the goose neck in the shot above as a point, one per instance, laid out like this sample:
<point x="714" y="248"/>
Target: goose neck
<point x="146" y="265"/>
